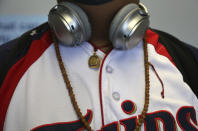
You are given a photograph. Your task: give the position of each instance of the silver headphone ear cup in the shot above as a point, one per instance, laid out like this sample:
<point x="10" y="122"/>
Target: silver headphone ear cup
<point x="118" y="18"/>
<point x="84" y="19"/>
<point x="69" y="23"/>
<point x="128" y="26"/>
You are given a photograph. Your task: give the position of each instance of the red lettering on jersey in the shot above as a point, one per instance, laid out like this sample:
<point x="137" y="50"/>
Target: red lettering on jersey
<point x="66" y="126"/>
<point x="152" y="119"/>
<point x="114" y="126"/>
<point x="186" y="119"/>
<point x="129" y="123"/>
<point x="184" y="116"/>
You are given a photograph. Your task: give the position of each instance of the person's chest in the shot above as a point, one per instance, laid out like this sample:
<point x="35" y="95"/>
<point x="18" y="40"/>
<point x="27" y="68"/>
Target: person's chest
<point x="111" y="97"/>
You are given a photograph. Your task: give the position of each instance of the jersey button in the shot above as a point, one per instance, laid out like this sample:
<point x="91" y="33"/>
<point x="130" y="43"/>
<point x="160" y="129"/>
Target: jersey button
<point x="116" y="96"/>
<point x="109" y="69"/>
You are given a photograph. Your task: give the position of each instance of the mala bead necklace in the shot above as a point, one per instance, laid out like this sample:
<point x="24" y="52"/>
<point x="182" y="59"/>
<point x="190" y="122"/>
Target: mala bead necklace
<point x="72" y="96"/>
<point x="68" y="85"/>
<point x="147" y="87"/>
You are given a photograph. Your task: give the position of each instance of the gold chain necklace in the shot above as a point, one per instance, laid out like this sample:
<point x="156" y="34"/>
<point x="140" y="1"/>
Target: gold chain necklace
<point x="72" y="96"/>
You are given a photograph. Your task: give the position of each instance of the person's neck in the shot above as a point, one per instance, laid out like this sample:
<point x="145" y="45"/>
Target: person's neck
<point x="100" y="17"/>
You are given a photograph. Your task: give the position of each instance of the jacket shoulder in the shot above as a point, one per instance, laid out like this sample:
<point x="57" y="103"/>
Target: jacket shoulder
<point x="13" y="51"/>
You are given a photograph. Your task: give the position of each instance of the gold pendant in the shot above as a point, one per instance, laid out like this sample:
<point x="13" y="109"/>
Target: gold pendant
<point x="94" y="61"/>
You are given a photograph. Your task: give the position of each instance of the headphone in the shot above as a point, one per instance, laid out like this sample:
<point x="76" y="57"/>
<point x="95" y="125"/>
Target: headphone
<point x="71" y="25"/>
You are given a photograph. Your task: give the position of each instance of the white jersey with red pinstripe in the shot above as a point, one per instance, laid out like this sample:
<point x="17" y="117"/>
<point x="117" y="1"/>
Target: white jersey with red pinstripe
<point x="110" y="98"/>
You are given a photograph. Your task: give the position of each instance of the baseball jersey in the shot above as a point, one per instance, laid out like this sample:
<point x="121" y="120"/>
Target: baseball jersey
<point x="34" y="97"/>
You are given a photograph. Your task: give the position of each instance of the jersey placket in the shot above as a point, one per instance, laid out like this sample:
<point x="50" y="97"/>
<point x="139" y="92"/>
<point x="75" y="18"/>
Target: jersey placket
<point x="106" y="71"/>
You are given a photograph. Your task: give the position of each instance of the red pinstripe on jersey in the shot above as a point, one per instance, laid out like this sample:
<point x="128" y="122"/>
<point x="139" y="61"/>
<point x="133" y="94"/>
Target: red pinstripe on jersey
<point x="100" y="86"/>
<point x="17" y="71"/>
<point x="153" y="38"/>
